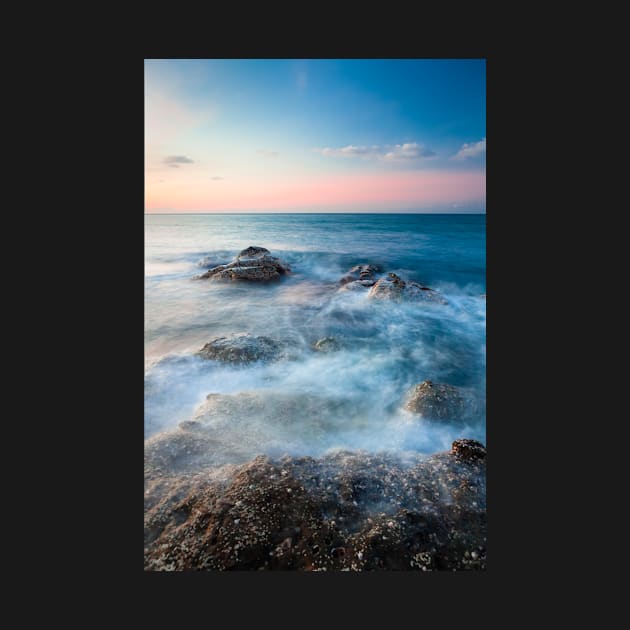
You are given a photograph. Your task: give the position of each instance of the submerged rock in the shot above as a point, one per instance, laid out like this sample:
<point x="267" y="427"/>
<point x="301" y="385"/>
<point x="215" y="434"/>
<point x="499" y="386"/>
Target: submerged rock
<point x="265" y="418"/>
<point x="241" y="348"/>
<point x="186" y="450"/>
<point x="252" y="263"/>
<point x="327" y="344"/>
<point x="436" y="401"/>
<point x="393" y="287"/>
<point x="359" y="277"/>
<point x="348" y="511"/>
<point x="234" y="428"/>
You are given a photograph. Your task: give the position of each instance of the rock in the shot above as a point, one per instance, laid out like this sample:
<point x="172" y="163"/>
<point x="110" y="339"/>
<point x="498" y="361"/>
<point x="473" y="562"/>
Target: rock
<point x="253" y="263"/>
<point x="468" y="450"/>
<point x="241" y="348"/>
<point x="181" y="451"/>
<point x="357" y="285"/>
<point x="268" y="420"/>
<point x="393" y="287"/>
<point x="347" y="511"/>
<point x="252" y="251"/>
<point x="390" y="287"/>
<point x="416" y="292"/>
<point x="361" y="276"/>
<point x="234" y="428"/>
<point x="437" y="402"/>
<point x="327" y="344"/>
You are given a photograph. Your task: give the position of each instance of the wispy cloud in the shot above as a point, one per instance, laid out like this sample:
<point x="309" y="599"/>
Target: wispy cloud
<point x="470" y="150"/>
<point x="267" y="153"/>
<point x="217" y="177"/>
<point x="175" y="160"/>
<point x="384" y="153"/>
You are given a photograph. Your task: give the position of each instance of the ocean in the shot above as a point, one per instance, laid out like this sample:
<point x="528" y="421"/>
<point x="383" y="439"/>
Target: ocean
<point x="350" y="399"/>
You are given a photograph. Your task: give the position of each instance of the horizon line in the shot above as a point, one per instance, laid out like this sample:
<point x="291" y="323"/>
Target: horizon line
<point x="256" y="212"/>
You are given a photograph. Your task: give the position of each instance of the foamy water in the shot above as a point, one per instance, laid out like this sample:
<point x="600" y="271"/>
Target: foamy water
<point x="387" y="347"/>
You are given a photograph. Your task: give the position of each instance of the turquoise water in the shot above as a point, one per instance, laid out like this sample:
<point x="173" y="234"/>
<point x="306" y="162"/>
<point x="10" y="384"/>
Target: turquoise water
<point x="388" y="347"/>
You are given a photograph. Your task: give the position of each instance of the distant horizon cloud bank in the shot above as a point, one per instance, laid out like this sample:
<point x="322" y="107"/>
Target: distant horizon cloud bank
<point x="334" y="192"/>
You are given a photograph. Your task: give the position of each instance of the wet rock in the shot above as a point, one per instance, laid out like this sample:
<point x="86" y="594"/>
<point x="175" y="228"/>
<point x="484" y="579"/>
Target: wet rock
<point x="252" y="251"/>
<point x="393" y="287"/>
<point x="252" y="263"/>
<point x="418" y="293"/>
<point x="241" y="348"/>
<point x="357" y="285"/>
<point x="468" y="450"/>
<point x="359" y="277"/>
<point x="390" y="287"/>
<point x="179" y="451"/>
<point x="268" y="420"/>
<point x="437" y="401"/>
<point x="327" y="344"/>
<point x="348" y="511"/>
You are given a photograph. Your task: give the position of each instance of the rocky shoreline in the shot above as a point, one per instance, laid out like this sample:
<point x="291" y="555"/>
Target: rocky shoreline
<point x="349" y="511"/>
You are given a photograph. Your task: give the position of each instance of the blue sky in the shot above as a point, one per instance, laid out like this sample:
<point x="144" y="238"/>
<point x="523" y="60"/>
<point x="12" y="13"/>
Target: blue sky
<point x="303" y="134"/>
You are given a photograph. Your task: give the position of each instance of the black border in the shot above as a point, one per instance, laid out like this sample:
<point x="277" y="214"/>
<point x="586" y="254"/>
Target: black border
<point x="518" y="548"/>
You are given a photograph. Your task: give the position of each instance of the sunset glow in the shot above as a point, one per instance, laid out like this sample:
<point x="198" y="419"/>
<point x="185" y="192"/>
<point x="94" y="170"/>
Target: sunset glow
<point x="314" y="136"/>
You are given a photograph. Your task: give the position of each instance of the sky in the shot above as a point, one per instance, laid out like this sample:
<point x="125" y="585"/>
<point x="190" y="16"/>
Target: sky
<point x="315" y="135"/>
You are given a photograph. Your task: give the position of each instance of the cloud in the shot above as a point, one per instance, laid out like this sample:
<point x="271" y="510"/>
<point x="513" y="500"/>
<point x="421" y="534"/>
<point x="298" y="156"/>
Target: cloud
<point x="470" y="150"/>
<point x="408" y="151"/>
<point x="267" y="153"/>
<point x="217" y="177"/>
<point x="175" y="160"/>
<point x="384" y="153"/>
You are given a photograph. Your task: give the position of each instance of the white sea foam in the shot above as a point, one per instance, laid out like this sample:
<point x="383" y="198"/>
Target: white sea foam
<point x="386" y="348"/>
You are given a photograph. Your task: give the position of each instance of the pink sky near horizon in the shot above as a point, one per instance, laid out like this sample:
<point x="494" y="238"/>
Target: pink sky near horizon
<point x="423" y="188"/>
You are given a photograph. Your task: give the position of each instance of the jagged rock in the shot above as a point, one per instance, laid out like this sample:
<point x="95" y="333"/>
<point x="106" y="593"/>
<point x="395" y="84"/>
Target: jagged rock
<point x="252" y="263"/>
<point x="416" y="292"/>
<point x="468" y="450"/>
<point x="390" y="287"/>
<point x="436" y="401"/>
<point x="241" y="348"/>
<point x="393" y="287"/>
<point x="327" y="344"/>
<point x="347" y="511"/>
<point x="359" y="278"/>
<point x="364" y="273"/>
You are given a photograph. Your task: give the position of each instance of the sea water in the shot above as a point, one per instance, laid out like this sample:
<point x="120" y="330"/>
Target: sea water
<point x="387" y="347"/>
